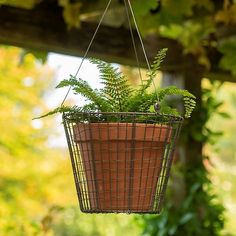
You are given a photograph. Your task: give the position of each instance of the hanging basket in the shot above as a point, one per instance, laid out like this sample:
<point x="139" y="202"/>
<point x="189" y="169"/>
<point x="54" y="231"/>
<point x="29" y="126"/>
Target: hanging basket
<point x="121" y="161"/>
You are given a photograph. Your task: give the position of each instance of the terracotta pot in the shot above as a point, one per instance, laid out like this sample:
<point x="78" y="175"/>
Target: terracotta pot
<point x="122" y="163"/>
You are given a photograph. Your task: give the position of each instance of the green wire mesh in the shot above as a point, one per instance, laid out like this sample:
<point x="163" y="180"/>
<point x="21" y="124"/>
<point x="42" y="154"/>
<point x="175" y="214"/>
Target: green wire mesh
<point x="121" y="161"/>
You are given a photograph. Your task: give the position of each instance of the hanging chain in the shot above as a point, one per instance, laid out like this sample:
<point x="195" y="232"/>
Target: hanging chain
<point x="87" y="50"/>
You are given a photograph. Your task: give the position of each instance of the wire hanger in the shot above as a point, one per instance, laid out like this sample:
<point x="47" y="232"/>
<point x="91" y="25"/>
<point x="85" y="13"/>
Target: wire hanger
<point x="129" y="9"/>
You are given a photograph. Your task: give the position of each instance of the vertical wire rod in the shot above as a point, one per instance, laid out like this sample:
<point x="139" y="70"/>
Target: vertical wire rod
<point x="139" y="35"/>
<point x="133" y="41"/>
<point x="142" y="45"/>
<point x="87" y="50"/>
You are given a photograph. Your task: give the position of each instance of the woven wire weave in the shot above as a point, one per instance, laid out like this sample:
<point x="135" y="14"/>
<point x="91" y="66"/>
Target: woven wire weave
<point x="121" y="161"/>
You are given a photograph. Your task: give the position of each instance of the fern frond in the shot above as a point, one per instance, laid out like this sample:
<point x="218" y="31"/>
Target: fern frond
<point x="166" y="109"/>
<point x="141" y="102"/>
<point x="118" y="96"/>
<point x="141" y="99"/>
<point x="60" y="109"/>
<point x="155" y="67"/>
<point x="116" y="88"/>
<point x="189" y="99"/>
<point x="82" y="87"/>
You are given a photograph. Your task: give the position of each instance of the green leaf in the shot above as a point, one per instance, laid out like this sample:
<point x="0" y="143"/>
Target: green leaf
<point x="27" y="4"/>
<point x="180" y="7"/>
<point x="82" y="87"/>
<point x="173" y="230"/>
<point x="172" y="31"/>
<point x="207" y="4"/>
<point x="116" y="88"/>
<point x="60" y="109"/>
<point x="155" y="67"/>
<point x="39" y="55"/>
<point x="228" y="48"/>
<point x="195" y="187"/>
<point x="186" y="218"/>
<point x="142" y="9"/>
<point x="189" y="99"/>
<point x="224" y="115"/>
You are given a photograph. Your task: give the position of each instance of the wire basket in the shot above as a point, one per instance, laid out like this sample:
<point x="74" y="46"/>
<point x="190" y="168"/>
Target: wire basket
<point x="121" y="161"/>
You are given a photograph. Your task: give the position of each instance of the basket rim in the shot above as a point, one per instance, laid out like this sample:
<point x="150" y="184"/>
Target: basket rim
<point x="172" y="117"/>
<point x="82" y="152"/>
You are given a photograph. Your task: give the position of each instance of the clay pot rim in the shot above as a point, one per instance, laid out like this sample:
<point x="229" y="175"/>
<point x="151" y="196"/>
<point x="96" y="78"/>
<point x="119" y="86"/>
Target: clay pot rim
<point x="163" y="133"/>
<point x="124" y="124"/>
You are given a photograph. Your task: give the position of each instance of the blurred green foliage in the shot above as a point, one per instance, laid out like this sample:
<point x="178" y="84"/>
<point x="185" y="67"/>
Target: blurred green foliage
<point x="28" y="172"/>
<point x="197" y="213"/>
<point x="192" y="206"/>
<point x="38" y="196"/>
<point x="228" y="47"/>
<point x="69" y="221"/>
<point x="223" y="152"/>
<point x="33" y="175"/>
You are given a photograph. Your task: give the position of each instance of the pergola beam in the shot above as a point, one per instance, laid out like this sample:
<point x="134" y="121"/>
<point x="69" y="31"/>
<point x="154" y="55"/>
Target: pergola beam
<point x="43" y="28"/>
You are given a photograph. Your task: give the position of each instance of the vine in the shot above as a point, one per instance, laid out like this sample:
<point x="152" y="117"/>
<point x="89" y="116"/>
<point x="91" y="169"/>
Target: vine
<point x="191" y="207"/>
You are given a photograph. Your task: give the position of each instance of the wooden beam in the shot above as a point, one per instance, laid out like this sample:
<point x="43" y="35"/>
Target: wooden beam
<point x="222" y="76"/>
<point x="43" y="28"/>
<point x="194" y="147"/>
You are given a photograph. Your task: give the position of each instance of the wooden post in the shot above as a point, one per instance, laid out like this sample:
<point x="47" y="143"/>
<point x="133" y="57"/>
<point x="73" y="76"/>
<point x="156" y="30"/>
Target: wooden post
<point x="193" y="150"/>
<point x="189" y="150"/>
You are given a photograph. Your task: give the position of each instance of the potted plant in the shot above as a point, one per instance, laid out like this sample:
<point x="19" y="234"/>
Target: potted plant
<point x="121" y="143"/>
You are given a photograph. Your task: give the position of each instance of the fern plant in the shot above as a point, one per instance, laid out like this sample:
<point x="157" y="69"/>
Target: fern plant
<point x="117" y="95"/>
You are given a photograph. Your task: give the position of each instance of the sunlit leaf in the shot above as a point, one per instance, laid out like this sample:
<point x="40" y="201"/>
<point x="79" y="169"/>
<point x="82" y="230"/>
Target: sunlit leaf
<point x="228" y="48"/>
